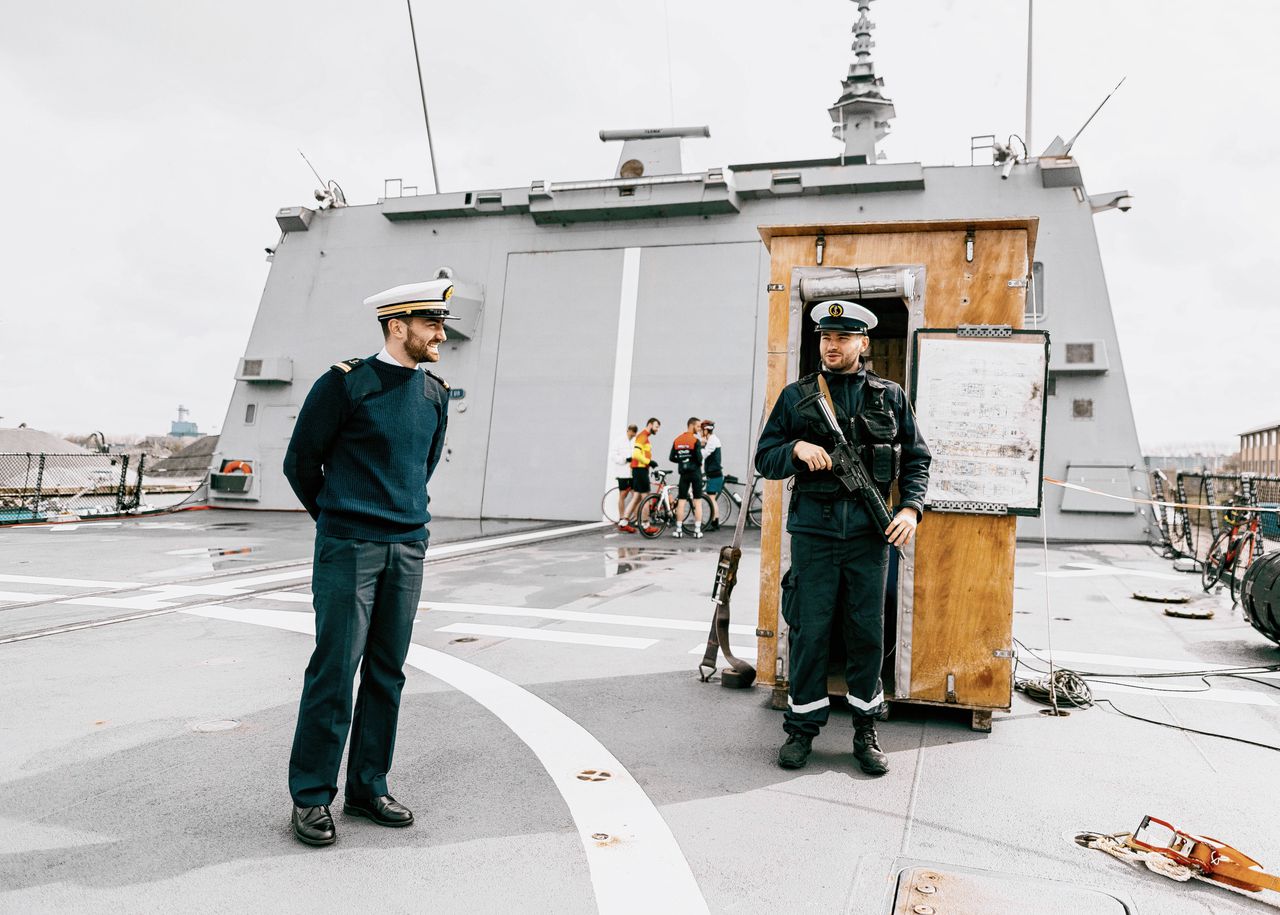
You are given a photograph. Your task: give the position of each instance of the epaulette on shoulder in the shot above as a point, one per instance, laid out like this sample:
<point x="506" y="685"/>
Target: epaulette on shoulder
<point x="444" y="384"/>
<point x="346" y="365"/>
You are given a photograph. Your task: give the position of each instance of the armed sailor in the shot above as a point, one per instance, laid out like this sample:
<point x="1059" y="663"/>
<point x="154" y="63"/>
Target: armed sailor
<point x="839" y="552"/>
<point x="366" y="442"/>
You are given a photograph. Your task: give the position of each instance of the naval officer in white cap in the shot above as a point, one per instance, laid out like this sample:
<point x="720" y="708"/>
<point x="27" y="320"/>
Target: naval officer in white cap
<point x="839" y="556"/>
<point x="364" y="447"/>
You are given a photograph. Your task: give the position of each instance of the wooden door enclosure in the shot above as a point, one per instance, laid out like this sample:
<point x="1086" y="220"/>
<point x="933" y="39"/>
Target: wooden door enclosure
<point x="955" y="594"/>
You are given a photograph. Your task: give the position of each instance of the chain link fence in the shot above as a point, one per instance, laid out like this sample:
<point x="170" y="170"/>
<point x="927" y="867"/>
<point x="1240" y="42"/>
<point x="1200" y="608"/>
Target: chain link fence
<point x="41" y="486"/>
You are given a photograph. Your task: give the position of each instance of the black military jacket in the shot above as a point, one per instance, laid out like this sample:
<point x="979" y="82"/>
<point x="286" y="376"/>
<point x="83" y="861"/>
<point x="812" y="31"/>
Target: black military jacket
<point x="841" y="518"/>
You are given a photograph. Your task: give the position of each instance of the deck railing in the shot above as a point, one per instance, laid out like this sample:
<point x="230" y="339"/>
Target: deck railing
<point x="1189" y="531"/>
<point x="38" y="486"/>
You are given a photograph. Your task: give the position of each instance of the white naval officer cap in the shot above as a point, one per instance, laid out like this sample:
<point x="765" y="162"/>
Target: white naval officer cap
<point x="425" y="300"/>
<point x="843" y="316"/>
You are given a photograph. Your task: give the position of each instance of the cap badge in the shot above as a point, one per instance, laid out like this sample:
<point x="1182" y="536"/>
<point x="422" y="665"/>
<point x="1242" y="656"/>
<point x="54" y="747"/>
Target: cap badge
<point x="835" y="309"/>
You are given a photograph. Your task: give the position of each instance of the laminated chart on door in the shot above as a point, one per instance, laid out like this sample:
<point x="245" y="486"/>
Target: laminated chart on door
<point x="980" y="406"/>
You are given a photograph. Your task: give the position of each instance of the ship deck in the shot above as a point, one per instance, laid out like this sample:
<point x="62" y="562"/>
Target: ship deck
<point x="150" y="670"/>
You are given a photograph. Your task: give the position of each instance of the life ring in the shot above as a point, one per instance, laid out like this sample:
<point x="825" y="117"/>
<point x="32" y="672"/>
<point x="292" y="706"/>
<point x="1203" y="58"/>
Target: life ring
<point x="237" y="467"/>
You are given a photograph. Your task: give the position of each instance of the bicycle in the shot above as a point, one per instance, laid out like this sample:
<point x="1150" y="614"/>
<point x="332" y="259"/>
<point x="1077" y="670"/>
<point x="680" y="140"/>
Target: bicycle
<point x="1232" y="550"/>
<point x="660" y="508"/>
<point x="609" y="505"/>
<point x="727" y="501"/>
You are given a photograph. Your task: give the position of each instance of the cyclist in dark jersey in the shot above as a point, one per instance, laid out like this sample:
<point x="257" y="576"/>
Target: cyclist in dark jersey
<point x="712" y="469"/>
<point x="686" y="454"/>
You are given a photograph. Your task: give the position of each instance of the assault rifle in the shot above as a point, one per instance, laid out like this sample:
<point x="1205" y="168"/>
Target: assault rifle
<point x="846" y="465"/>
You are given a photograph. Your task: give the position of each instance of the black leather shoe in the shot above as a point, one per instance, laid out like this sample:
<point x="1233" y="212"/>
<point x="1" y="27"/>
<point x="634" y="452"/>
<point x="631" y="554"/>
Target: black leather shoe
<point x="795" y="752"/>
<point x="385" y="810"/>
<point x="314" y="825"/>
<point x="866" y="748"/>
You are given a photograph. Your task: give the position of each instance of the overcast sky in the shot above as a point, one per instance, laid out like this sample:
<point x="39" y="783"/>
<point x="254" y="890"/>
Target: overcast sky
<point x="148" y="145"/>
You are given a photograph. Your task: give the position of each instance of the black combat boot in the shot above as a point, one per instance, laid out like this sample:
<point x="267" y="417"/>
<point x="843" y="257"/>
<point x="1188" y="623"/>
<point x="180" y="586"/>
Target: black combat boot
<point x="866" y="748"/>
<point x="795" y="752"/>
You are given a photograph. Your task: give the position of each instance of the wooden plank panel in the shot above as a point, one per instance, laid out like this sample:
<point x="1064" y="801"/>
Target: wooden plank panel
<point x="956" y="291"/>
<point x="769" y="233"/>
<point x="963" y="609"/>
<point x="786" y="253"/>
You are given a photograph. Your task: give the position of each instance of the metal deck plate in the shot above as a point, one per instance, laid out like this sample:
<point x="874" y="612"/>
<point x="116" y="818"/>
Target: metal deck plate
<point x="938" y="891"/>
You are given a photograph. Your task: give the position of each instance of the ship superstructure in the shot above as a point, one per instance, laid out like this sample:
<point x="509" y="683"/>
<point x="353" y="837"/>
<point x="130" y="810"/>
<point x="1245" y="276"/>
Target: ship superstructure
<point x="590" y="304"/>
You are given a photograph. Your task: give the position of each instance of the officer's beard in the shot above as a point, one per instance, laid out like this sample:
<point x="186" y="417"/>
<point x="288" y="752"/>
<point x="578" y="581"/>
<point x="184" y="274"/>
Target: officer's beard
<point x="420" y="349"/>
<point x="839" y="364"/>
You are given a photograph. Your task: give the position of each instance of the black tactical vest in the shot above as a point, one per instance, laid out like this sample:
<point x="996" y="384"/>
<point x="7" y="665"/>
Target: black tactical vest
<point x="872" y="432"/>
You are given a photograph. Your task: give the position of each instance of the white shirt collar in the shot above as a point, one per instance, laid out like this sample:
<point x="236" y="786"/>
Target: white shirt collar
<point x="389" y="359"/>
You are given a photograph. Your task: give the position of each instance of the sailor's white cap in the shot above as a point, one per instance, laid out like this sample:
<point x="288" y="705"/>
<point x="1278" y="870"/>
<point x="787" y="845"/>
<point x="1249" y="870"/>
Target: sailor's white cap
<point x="427" y="300"/>
<point x="843" y="316"/>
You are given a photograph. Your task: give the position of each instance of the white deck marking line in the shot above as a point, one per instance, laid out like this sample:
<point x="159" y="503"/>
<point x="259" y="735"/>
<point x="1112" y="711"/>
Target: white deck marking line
<point x="644" y="870"/>
<point x="1094" y="570"/>
<point x="537" y="613"/>
<point x="67" y="582"/>
<point x="581" y="616"/>
<point x="549" y="635"/>
<point x="129" y="602"/>
<point x="464" y="546"/>
<point x="24" y="596"/>
<point x="290" y="575"/>
<point x="1125" y="661"/>
<point x="746" y="653"/>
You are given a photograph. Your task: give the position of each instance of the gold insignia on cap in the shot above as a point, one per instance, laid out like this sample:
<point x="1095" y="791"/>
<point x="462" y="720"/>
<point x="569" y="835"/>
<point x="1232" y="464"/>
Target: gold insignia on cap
<point x="448" y="294"/>
<point x="835" y="309"/>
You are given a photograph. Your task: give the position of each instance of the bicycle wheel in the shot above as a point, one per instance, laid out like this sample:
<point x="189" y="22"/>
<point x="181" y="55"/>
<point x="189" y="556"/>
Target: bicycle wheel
<point x="1214" y="560"/>
<point x="724" y="504"/>
<point x="690" y="519"/>
<point x="1240" y="564"/>
<point x="755" y="511"/>
<point x="658" y="517"/>
<point x="609" y="504"/>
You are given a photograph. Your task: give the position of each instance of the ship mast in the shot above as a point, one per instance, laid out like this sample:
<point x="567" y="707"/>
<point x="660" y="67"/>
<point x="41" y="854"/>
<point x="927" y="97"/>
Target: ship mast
<point x="862" y="113"/>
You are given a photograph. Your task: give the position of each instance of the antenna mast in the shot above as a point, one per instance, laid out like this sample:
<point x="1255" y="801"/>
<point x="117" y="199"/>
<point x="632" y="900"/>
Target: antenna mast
<point x="1027" y="133"/>
<point x="1072" y="141"/>
<point x="417" y="64"/>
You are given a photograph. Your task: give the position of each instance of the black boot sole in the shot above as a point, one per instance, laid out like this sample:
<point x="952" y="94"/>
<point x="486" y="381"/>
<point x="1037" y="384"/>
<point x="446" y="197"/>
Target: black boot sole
<point x="370" y="815"/>
<point x="315" y="843"/>
<point x="873" y="770"/>
<point x="791" y="765"/>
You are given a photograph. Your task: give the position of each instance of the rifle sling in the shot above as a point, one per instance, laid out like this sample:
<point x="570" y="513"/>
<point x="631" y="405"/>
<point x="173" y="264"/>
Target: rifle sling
<point x="740" y="674"/>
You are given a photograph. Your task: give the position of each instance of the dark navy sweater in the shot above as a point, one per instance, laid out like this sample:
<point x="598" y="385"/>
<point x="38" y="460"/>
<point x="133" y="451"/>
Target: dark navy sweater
<point x="364" y="446"/>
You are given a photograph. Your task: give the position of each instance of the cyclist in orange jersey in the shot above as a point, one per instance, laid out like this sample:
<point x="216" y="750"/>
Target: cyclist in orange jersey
<point x="641" y="461"/>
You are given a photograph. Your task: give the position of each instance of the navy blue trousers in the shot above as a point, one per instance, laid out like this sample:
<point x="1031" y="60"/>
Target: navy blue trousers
<point x="829" y="577"/>
<point x="365" y="595"/>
